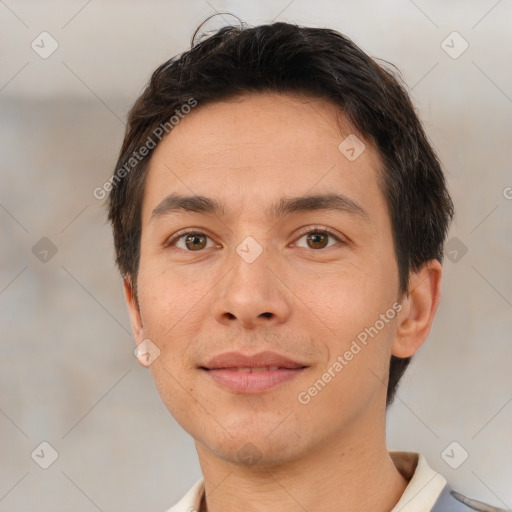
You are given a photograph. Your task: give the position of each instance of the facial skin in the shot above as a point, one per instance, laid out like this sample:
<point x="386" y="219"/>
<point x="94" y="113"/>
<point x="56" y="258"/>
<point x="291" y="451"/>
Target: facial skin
<point x="302" y="301"/>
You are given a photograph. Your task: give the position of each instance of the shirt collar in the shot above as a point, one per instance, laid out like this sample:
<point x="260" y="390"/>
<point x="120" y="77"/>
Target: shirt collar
<point x="425" y="484"/>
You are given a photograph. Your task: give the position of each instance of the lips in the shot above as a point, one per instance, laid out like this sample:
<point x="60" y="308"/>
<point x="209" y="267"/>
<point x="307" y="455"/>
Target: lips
<point x="248" y="369"/>
<point x="261" y="372"/>
<point x="256" y="362"/>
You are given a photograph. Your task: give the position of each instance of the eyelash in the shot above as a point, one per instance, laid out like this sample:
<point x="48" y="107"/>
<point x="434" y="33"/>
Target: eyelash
<point x="306" y="231"/>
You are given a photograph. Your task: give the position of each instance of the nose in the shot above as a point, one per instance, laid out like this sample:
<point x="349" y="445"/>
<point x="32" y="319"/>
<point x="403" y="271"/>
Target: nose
<point x="251" y="294"/>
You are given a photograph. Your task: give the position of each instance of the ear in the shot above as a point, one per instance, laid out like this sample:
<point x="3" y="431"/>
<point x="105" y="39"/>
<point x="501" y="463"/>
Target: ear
<point x="419" y="309"/>
<point x="135" y="316"/>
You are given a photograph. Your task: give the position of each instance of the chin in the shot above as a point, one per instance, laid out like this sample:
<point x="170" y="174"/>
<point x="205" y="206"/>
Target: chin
<point x="255" y="449"/>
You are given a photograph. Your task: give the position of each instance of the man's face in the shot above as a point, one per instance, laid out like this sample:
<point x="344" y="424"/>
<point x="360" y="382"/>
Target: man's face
<point x="251" y="279"/>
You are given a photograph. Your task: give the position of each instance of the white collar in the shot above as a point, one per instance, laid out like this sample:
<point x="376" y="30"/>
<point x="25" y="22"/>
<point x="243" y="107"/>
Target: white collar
<point x="425" y="484"/>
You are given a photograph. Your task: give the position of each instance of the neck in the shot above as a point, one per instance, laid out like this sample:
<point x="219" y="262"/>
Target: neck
<point x="350" y="473"/>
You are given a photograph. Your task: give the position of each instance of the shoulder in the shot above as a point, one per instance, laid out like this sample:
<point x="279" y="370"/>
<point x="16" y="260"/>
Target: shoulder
<point x="452" y="501"/>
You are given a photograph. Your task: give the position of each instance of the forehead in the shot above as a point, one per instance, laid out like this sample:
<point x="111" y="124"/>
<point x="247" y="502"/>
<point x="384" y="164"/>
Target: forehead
<point x="254" y="149"/>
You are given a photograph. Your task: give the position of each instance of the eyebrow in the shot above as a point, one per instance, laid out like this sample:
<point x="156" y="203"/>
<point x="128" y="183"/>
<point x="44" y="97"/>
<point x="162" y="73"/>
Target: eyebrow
<point x="175" y="203"/>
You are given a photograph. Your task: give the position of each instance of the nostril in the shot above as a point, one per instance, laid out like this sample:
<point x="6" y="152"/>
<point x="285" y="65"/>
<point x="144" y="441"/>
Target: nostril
<point x="267" y="315"/>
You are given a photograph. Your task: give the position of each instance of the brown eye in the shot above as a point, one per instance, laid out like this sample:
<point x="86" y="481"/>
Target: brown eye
<point x="195" y="241"/>
<point x="317" y="240"/>
<point x="191" y="241"/>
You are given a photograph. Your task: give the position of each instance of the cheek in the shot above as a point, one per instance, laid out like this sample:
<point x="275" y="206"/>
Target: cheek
<point x="176" y="394"/>
<point x="349" y="298"/>
<point x="169" y="301"/>
<point x="356" y="373"/>
<point x="360" y="308"/>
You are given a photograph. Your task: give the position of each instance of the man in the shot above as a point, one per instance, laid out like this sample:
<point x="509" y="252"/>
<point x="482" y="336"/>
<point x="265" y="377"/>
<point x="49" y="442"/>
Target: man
<point x="279" y="219"/>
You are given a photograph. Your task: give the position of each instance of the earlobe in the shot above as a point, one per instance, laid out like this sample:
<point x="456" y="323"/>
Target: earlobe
<point x="419" y="309"/>
<point x="133" y="310"/>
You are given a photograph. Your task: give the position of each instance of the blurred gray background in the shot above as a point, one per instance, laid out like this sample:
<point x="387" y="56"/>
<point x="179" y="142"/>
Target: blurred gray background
<point x="67" y="371"/>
